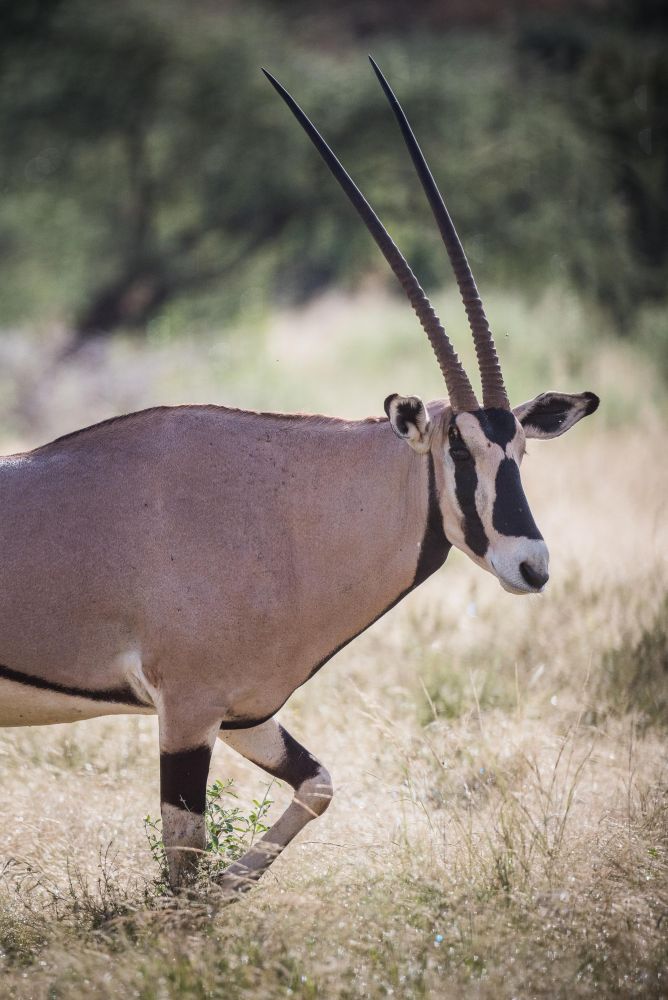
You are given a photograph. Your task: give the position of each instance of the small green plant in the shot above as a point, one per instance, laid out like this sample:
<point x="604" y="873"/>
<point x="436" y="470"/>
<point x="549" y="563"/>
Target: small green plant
<point x="230" y="831"/>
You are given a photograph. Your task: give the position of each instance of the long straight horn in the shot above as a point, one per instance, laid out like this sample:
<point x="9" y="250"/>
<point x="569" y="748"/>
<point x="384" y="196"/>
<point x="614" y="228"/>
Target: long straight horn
<point x="460" y="391"/>
<point x="493" y="390"/>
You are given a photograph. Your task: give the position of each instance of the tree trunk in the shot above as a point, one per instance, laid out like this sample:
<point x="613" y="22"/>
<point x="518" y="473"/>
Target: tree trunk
<point x="128" y="302"/>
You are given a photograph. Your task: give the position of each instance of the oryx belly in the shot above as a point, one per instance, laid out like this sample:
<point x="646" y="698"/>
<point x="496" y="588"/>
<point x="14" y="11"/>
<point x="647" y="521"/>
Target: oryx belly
<point x="23" y="705"/>
<point x="33" y="700"/>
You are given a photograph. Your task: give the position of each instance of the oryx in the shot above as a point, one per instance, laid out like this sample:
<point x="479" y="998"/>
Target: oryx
<point x="201" y="562"/>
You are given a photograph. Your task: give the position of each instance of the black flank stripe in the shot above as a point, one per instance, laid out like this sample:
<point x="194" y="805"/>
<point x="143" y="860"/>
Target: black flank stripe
<point x="183" y="777"/>
<point x="511" y="510"/>
<point x="123" y="695"/>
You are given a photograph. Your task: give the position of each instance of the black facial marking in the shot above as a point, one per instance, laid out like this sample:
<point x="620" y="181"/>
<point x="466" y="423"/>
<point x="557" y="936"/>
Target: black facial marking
<point x="458" y="449"/>
<point x="183" y="777"/>
<point x="466" y="483"/>
<point x="123" y="695"/>
<point x="498" y="425"/>
<point x="511" y="510"/>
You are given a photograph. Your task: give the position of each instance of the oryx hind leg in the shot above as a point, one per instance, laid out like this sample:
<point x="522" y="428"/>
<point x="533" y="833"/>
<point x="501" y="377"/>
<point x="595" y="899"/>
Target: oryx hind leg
<point x="185" y="755"/>
<point x="272" y="748"/>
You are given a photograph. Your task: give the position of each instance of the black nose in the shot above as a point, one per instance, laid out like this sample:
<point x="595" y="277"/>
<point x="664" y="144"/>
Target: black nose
<point x="532" y="576"/>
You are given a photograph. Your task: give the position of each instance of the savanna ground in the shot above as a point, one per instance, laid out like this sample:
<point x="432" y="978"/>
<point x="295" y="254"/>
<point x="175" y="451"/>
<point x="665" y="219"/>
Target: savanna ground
<point x="500" y="827"/>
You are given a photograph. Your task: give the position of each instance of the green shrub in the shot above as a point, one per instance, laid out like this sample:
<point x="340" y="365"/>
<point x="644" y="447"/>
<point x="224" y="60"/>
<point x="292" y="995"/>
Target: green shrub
<point x="230" y="831"/>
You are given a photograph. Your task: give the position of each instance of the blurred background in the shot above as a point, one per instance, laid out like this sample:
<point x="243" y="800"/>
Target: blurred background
<point x="169" y="235"/>
<point x="165" y="226"/>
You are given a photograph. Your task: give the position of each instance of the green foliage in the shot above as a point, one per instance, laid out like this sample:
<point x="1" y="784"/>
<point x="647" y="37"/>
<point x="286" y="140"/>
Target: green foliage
<point x="148" y="169"/>
<point x="609" y="72"/>
<point x="230" y="831"/>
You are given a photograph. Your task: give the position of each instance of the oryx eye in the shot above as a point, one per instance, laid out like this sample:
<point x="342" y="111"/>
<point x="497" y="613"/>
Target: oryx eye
<point x="458" y="449"/>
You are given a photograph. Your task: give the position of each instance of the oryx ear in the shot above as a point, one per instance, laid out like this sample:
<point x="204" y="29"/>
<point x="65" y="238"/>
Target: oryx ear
<point x="409" y="420"/>
<point x="552" y="413"/>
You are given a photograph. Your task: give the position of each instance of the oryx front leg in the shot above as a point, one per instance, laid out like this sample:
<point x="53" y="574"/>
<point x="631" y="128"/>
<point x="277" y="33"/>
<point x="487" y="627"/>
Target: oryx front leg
<point x="185" y="755"/>
<point x="272" y="748"/>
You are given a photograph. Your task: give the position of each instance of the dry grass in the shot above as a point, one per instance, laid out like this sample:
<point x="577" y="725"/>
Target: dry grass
<point x="500" y="827"/>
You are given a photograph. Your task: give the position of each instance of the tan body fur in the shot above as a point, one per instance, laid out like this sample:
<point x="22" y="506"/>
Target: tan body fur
<point x="196" y="540"/>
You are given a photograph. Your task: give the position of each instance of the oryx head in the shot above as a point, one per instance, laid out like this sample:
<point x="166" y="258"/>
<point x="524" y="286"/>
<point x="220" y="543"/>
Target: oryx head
<point x="477" y="450"/>
<point x="477" y="456"/>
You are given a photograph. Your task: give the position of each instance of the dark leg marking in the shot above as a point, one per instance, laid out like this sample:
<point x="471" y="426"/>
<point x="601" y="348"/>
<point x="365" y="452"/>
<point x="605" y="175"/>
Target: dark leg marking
<point x="298" y="765"/>
<point x="123" y="695"/>
<point x="183" y="776"/>
<point x="511" y="510"/>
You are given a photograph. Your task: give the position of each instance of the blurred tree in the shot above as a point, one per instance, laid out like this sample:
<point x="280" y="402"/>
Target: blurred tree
<point x="144" y="161"/>
<point x="139" y="122"/>
<point x="614" y="84"/>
